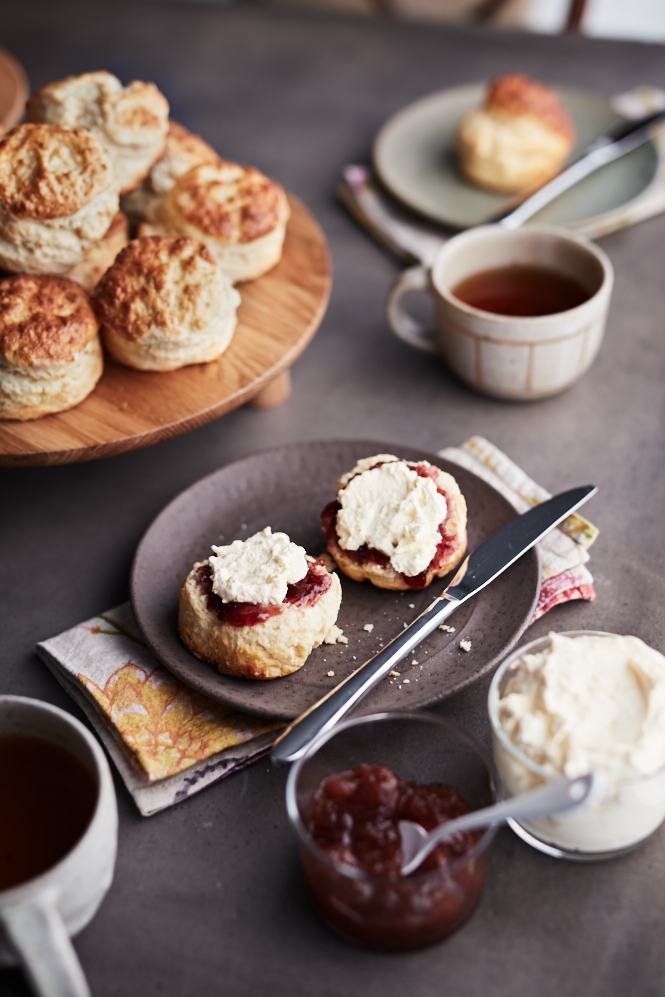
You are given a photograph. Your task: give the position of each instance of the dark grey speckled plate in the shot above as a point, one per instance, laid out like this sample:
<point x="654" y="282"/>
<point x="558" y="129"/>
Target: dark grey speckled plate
<point x="286" y="489"/>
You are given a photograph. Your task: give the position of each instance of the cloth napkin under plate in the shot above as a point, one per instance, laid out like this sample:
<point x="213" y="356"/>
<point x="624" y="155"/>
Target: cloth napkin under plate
<point x="168" y="741"/>
<point x="414" y="240"/>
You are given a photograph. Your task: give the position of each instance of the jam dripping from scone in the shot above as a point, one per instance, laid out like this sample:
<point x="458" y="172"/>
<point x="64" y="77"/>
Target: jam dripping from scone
<point x="370" y="555"/>
<point x="248" y="614"/>
<point x="355" y="819"/>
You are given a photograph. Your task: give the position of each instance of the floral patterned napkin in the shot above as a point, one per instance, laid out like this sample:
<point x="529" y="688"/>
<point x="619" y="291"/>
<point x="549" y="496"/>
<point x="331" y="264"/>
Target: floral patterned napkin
<point x="415" y="240"/>
<point x="168" y="741"/>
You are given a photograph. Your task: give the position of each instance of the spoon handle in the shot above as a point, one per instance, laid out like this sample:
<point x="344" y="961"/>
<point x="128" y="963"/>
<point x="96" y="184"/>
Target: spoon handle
<point x="542" y="802"/>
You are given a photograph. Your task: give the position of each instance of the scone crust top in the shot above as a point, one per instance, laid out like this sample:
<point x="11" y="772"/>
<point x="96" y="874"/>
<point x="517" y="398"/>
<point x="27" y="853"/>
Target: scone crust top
<point x="233" y="203"/>
<point x="47" y="171"/>
<point x="131" y="115"/>
<point x="44" y="320"/>
<point x="184" y="150"/>
<point x="519" y="95"/>
<point x="160" y="283"/>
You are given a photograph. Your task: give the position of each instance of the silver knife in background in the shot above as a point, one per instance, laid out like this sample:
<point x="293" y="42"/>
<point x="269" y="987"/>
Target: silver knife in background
<point x="480" y="568"/>
<point x="620" y="139"/>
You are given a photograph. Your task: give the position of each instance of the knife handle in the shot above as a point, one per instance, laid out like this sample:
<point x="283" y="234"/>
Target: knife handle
<point x="324" y="714"/>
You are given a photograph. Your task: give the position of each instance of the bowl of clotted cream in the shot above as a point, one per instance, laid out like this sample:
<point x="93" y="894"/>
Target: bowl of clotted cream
<point x="571" y="703"/>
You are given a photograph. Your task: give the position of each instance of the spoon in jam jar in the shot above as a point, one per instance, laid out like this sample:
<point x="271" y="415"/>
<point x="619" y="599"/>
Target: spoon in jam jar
<point x="563" y="794"/>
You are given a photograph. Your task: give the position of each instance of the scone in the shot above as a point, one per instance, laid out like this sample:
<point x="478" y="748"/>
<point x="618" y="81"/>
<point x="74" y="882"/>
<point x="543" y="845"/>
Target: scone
<point x="257" y="607"/>
<point x="235" y="210"/>
<point x="184" y="150"/>
<point x="520" y="138"/>
<point x="397" y="523"/>
<point x="97" y="260"/>
<point x="129" y="122"/>
<point x="50" y="354"/>
<point x="165" y="303"/>
<point x="58" y="197"/>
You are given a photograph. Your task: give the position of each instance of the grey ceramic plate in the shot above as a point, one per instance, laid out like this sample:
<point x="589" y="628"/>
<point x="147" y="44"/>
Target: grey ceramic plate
<point x="286" y="489"/>
<point x="414" y="157"/>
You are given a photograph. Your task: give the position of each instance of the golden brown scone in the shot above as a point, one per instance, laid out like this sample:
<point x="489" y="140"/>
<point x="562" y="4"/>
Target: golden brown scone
<point x="519" y="139"/>
<point x="50" y="354"/>
<point x="58" y="196"/>
<point x="374" y="565"/>
<point x="236" y="211"/>
<point x="96" y="262"/>
<point x="184" y="150"/>
<point x="130" y="122"/>
<point x="165" y="303"/>
<point x="275" y="646"/>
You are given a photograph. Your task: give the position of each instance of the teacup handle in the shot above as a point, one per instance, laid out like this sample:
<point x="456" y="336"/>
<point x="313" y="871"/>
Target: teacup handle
<point x="405" y="326"/>
<point x="36" y="931"/>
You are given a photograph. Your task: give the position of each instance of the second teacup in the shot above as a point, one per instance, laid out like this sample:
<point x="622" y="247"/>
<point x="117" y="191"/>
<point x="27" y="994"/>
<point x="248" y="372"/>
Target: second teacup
<point x="521" y="357"/>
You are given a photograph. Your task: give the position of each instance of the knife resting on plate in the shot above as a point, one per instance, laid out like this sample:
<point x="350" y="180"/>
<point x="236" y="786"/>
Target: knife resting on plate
<point x="480" y="568"/>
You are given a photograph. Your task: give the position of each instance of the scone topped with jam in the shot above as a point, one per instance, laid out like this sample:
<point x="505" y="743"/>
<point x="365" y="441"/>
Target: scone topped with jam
<point x="519" y="139"/>
<point x="398" y="523"/>
<point x="257" y="607"/>
<point x="130" y="122"/>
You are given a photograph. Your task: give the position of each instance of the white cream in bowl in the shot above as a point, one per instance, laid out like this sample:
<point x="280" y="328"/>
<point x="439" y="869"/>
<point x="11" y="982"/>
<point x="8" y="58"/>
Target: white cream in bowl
<point x="568" y="704"/>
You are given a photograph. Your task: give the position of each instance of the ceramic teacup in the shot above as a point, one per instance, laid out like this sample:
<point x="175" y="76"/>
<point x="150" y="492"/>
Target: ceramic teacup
<point x="38" y="916"/>
<point x="506" y="356"/>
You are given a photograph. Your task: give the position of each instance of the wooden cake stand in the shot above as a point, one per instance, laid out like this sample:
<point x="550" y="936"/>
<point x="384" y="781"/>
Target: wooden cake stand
<point x="128" y="409"/>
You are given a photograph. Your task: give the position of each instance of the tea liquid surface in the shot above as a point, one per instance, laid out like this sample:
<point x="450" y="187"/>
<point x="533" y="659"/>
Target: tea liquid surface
<point x="47" y="798"/>
<point x="521" y="290"/>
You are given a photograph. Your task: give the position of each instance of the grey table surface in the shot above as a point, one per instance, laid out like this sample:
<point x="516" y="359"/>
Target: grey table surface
<point x="208" y="897"/>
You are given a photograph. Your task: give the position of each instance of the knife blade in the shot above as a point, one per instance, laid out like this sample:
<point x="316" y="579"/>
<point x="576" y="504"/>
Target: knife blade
<point x="619" y="139"/>
<point x="481" y="567"/>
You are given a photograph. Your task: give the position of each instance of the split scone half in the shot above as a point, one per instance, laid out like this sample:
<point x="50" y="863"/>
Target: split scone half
<point x="520" y="139"/>
<point x="130" y="122"/>
<point x="165" y="303"/>
<point x="50" y="354"/>
<point x="397" y="523"/>
<point x="235" y="210"/>
<point x="184" y="150"/>
<point x="257" y="608"/>
<point x="58" y="198"/>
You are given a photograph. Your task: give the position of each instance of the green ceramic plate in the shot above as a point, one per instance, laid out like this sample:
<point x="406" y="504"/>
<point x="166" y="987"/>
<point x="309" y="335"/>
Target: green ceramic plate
<point x="414" y="157"/>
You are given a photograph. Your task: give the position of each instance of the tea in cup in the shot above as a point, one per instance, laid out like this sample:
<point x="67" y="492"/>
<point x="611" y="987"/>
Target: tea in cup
<point x="520" y="313"/>
<point x="58" y="840"/>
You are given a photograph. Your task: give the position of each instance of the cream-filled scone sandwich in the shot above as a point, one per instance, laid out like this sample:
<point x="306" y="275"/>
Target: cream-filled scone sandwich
<point x="184" y="150"/>
<point x="165" y="303"/>
<point x="519" y="139"/>
<point x="50" y="354"/>
<point x="235" y="210"/>
<point x="256" y="608"/>
<point x="58" y="197"/>
<point x="130" y="122"/>
<point x="395" y="522"/>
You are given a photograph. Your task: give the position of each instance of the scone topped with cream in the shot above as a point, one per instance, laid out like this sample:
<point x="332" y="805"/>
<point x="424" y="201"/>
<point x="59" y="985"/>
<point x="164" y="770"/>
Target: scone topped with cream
<point x="130" y="122"/>
<point x="50" y="354"/>
<point x="166" y="303"/>
<point x="519" y="139"/>
<point x="256" y="608"/>
<point x="183" y="151"/>
<point x="397" y="523"/>
<point x="235" y="210"/>
<point x="58" y="197"/>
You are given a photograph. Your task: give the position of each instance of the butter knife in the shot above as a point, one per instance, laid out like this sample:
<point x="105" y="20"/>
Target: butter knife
<point x="480" y="568"/>
<point x="617" y="141"/>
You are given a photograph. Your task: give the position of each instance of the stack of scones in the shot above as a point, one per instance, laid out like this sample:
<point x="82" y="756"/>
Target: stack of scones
<point x="94" y="159"/>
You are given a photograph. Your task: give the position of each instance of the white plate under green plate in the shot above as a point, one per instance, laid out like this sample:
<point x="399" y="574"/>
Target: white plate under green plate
<point x="414" y="157"/>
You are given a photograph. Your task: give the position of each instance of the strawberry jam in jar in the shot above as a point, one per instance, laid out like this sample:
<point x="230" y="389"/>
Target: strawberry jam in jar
<point x="345" y="798"/>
